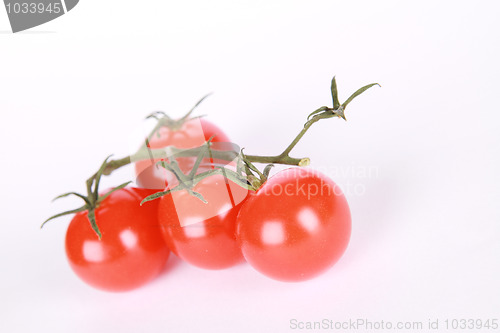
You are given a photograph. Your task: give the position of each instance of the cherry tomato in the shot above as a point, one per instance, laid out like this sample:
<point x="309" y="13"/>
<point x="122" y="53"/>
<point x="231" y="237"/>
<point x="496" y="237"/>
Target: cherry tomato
<point x="296" y="226"/>
<point x="203" y="234"/>
<point x="193" y="133"/>
<point x="131" y="251"/>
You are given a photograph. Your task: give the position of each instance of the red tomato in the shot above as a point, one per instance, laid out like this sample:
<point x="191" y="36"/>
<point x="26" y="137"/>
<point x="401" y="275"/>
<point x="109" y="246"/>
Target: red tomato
<point x="296" y="226"/>
<point x="131" y="251"/>
<point x="193" y="133"/>
<point x="203" y="234"/>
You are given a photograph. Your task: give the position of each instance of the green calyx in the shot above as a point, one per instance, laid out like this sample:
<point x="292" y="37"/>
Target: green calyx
<point x="188" y="181"/>
<point x="164" y="120"/>
<point x="338" y="110"/>
<point x="91" y="200"/>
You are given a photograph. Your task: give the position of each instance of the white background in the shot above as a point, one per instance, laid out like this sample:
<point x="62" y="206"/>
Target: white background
<point x="426" y="224"/>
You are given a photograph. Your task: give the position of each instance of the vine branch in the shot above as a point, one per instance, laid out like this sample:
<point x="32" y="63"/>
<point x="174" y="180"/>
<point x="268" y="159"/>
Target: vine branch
<point x="167" y="156"/>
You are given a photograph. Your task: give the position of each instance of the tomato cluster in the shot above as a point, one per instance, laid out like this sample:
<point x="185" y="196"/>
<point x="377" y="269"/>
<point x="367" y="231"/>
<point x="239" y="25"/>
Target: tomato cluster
<point x="293" y="228"/>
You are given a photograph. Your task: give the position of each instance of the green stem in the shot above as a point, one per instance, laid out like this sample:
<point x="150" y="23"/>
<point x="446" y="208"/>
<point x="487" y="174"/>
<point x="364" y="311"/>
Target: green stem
<point x="89" y="183"/>
<point x="145" y="153"/>
<point x="287" y="160"/>
<point x="299" y="136"/>
<point x="284" y="157"/>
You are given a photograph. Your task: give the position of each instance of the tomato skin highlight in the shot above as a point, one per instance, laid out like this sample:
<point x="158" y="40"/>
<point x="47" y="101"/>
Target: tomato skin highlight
<point x="193" y="133"/>
<point x="131" y="251"/>
<point x="295" y="227"/>
<point x="203" y="234"/>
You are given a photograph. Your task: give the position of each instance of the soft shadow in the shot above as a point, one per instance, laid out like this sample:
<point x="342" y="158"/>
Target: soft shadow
<point x="172" y="262"/>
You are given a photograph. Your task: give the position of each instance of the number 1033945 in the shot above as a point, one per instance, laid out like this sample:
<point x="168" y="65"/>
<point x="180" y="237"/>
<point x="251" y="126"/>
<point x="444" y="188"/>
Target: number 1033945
<point x="33" y="8"/>
<point x="471" y="324"/>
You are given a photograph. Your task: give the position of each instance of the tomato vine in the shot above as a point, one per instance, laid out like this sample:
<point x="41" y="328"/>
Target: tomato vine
<point x="246" y="174"/>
